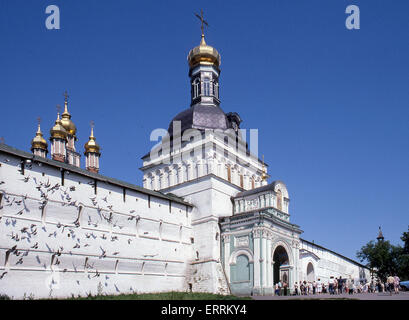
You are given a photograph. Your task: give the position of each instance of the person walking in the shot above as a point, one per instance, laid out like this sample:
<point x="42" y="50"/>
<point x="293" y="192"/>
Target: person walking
<point x="319" y="286"/>
<point x="390" y="283"/>
<point x="340" y="283"/>
<point x="331" y="285"/>
<point x="351" y="286"/>
<point x="396" y="284"/>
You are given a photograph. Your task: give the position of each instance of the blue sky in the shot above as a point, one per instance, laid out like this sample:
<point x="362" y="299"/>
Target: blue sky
<point x="331" y="104"/>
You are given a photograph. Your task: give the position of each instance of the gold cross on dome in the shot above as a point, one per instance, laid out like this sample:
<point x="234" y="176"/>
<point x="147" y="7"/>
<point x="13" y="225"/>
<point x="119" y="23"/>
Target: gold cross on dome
<point x="38" y="120"/>
<point x="58" y="108"/>
<point x="92" y="123"/>
<point x="203" y="21"/>
<point x="66" y="95"/>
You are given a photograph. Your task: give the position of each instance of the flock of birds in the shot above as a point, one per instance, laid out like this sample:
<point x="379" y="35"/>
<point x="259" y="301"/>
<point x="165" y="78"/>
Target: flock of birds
<point x="27" y="233"/>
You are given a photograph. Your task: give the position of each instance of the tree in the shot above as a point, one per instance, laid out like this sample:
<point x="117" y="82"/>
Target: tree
<point x="386" y="258"/>
<point x="381" y="256"/>
<point x="404" y="257"/>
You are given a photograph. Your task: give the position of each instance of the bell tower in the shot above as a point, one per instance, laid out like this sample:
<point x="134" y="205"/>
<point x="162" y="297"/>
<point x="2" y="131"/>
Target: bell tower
<point x="204" y="62"/>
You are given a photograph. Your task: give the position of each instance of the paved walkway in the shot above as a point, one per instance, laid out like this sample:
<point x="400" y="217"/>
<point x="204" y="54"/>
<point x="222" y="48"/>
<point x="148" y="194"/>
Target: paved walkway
<point x="360" y="296"/>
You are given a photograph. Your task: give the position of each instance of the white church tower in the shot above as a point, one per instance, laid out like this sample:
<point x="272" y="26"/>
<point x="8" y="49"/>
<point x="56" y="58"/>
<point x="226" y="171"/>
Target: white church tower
<point x="204" y="159"/>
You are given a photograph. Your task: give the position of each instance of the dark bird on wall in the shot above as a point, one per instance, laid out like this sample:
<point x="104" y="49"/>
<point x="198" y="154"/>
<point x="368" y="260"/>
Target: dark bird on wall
<point x="18" y="202"/>
<point x="96" y="274"/>
<point x="131" y="218"/>
<point x="87" y="235"/>
<point x="24" y="230"/>
<point x="114" y="238"/>
<point x="3" y="274"/>
<point x="26" y="179"/>
<point x="110" y="207"/>
<point x="115" y="253"/>
<point x="77" y="246"/>
<point x="35" y="246"/>
<point x="129" y="241"/>
<point x="20" y="261"/>
<point x="47" y="185"/>
<point x="2" y="182"/>
<point x="103" y="255"/>
<point x="132" y="211"/>
<point x="72" y="188"/>
<point x="103" y="236"/>
<point x="86" y="245"/>
<point x="105" y="199"/>
<point x="20" y="212"/>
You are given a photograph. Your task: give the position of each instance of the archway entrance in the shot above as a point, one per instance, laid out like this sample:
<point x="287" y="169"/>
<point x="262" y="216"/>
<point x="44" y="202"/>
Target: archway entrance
<point x="310" y="273"/>
<point x="281" y="265"/>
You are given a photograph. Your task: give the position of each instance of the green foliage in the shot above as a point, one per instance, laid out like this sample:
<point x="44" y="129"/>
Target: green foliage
<point x="4" y="297"/>
<point x="388" y="259"/>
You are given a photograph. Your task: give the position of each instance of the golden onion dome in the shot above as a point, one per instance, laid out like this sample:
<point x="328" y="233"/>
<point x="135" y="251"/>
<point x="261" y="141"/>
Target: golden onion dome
<point x="68" y="125"/>
<point x="58" y="131"/>
<point x="38" y="141"/>
<point x="203" y="54"/>
<point x="91" y="145"/>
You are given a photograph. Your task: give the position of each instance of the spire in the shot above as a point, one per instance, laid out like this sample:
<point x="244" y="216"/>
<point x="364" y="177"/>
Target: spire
<point x="66" y="119"/>
<point x="58" y="139"/>
<point x="380" y="235"/>
<point x="39" y="145"/>
<point x="92" y="152"/>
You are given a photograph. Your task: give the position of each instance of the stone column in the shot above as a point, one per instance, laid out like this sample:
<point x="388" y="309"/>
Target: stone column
<point x="257" y="258"/>
<point x="263" y="262"/>
<point x="269" y="261"/>
<point x="226" y="242"/>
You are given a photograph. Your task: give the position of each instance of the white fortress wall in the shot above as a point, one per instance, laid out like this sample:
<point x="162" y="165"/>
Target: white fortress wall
<point x="75" y="238"/>
<point x="327" y="263"/>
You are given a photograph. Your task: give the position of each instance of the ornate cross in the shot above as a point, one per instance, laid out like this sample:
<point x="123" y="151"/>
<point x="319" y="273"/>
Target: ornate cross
<point x="58" y="108"/>
<point x="39" y="120"/>
<point x="202" y="21"/>
<point x="66" y="95"/>
<point x="92" y="123"/>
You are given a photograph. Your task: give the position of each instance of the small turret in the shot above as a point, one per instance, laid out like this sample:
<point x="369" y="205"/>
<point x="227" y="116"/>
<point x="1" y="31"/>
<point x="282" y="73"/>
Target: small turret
<point x="92" y="153"/>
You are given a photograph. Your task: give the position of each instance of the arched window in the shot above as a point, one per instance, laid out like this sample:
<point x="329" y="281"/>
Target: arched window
<point x="242" y="269"/>
<point x="279" y="200"/>
<point x="206" y="87"/>
<point x="195" y="88"/>
<point x="216" y="90"/>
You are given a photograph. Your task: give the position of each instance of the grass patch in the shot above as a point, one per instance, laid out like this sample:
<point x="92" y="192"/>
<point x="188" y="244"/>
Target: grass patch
<point x="163" y="296"/>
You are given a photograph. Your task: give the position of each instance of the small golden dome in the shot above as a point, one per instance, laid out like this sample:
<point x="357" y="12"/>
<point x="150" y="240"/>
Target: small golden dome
<point x="203" y="54"/>
<point x="68" y="125"/>
<point x="91" y="145"/>
<point x="38" y="141"/>
<point x="58" y="131"/>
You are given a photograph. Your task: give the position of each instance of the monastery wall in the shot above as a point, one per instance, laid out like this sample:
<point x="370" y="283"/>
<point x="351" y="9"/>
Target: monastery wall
<point x="326" y="263"/>
<point x="62" y="237"/>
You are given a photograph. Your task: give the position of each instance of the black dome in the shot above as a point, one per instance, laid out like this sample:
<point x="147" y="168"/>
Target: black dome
<point x="201" y="117"/>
